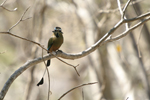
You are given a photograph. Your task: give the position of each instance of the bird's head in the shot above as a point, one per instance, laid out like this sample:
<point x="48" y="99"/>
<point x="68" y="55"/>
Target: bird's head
<point x="57" y="31"/>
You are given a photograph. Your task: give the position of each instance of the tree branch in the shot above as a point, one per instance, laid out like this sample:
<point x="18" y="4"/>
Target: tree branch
<point x="138" y="17"/>
<point x="76" y="88"/>
<point x="122" y="12"/>
<point x="21" y="19"/>
<point x="127" y="31"/>
<point x="2" y="5"/>
<point x="16" y="74"/>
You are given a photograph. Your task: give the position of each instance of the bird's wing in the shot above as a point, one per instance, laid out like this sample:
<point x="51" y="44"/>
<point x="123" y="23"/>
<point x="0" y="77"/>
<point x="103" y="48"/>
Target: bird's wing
<point x="50" y="43"/>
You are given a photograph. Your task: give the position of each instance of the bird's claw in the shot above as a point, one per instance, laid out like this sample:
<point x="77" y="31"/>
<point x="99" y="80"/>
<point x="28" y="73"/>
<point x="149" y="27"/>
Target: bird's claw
<point x="53" y="52"/>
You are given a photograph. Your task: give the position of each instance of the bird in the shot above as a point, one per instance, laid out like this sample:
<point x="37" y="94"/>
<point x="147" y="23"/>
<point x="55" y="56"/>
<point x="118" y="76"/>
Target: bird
<point x="55" y="41"/>
<point x="54" y="44"/>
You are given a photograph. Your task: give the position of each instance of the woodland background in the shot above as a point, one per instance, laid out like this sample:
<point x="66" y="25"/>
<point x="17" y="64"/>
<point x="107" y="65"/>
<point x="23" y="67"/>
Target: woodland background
<point x="116" y="66"/>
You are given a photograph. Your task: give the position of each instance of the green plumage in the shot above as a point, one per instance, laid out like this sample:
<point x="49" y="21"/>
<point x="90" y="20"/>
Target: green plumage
<point x="55" y="41"/>
<point x="54" y="44"/>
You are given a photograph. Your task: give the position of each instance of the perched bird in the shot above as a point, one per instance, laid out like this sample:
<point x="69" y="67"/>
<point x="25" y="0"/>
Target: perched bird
<point x="55" y="41"/>
<point x="54" y="44"/>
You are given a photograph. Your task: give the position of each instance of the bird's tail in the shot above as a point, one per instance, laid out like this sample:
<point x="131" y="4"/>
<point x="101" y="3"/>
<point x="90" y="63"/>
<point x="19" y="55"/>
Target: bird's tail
<point x="42" y="79"/>
<point x="48" y="62"/>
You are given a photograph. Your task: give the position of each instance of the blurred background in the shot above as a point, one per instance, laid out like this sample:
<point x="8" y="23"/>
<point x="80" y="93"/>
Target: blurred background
<point x="121" y="68"/>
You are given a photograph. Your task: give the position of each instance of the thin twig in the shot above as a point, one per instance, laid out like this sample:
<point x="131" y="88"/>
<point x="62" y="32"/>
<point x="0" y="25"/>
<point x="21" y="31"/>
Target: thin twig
<point x="120" y="8"/>
<point x="2" y="5"/>
<point x="122" y="12"/>
<point x="76" y="88"/>
<point x="21" y="19"/>
<point x="125" y="8"/>
<point x="48" y="76"/>
<point x="75" y="67"/>
<point x="3" y="2"/>
<point x="127" y="31"/>
<point x="9" y="9"/>
<point x="9" y="33"/>
<point x="140" y="17"/>
<point x="123" y="15"/>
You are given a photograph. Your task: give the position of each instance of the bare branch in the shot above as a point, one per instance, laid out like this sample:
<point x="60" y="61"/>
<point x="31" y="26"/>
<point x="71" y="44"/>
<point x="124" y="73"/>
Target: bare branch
<point x="76" y="88"/>
<point x="75" y="67"/>
<point x="9" y="33"/>
<point x="127" y="31"/>
<point x="119" y="7"/>
<point x="21" y="19"/>
<point x="122" y="12"/>
<point x="124" y="9"/>
<point x="16" y="74"/>
<point x="2" y="5"/>
<point x="123" y="15"/>
<point x="138" y="17"/>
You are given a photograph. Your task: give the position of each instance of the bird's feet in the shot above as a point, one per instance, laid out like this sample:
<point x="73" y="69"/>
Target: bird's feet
<point x="53" y="52"/>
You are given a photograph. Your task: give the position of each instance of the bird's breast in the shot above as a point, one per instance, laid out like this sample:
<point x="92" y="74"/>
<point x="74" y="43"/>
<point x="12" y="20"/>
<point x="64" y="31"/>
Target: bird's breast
<point x="56" y="44"/>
